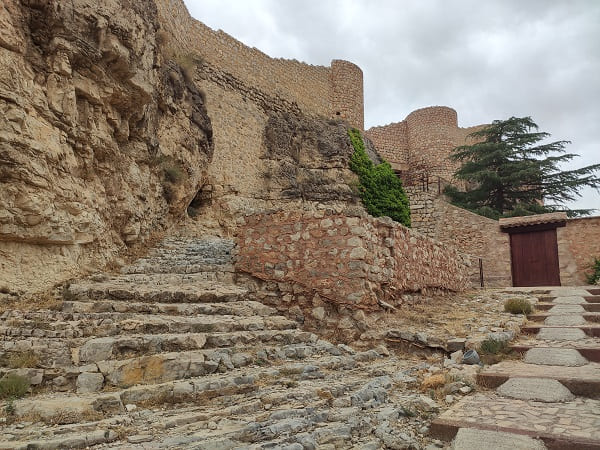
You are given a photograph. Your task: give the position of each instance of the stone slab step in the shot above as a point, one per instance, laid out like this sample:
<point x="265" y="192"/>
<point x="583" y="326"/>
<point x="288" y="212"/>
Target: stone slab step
<point x="234" y="308"/>
<point x="198" y="292"/>
<point x="591" y="352"/>
<point x="147" y="324"/>
<point x="219" y="272"/>
<point x="583" y="381"/>
<point x="592" y="329"/>
<point x="587" y="316"/>
<point x="570" y="425"/>
<point x="587" y="307"/>
<point x="63" y="441"/>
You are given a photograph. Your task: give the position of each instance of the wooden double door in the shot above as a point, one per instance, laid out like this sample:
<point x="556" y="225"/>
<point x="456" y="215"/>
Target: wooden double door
<point x="534" y="257"/>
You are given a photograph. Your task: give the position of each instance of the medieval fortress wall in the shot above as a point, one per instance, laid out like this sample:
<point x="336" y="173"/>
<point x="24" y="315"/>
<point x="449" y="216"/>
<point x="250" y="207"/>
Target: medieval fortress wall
<point x="330" y="92"/>
<point x="422" y="141"/>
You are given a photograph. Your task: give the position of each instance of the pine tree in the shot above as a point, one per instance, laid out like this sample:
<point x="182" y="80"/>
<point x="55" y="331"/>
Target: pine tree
<point x="514" y="174"/>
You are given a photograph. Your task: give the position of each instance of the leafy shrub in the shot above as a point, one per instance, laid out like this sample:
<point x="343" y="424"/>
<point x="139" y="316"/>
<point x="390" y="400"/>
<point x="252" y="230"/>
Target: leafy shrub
<point x="594" y="277"/>
<point x="13" y="386"/>
<point x="380" y="188"/>
<point x="493" y="347"/>
<point x="517" y="306"/>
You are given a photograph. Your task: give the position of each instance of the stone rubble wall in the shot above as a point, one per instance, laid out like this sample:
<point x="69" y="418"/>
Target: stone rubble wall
<point x="578" y="245"/>
<point x="317" y="90"/>
<point x="345" y="260"/>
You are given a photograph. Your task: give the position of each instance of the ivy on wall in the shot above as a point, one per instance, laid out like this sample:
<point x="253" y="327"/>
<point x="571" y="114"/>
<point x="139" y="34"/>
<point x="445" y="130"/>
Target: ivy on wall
<point x="380" y="188"/>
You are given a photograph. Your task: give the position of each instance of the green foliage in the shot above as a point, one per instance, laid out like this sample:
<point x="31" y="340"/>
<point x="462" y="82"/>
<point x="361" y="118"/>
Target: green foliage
<point x="13" y="386"/>
<point x="380" y="188"/>
<point x="517" y="306"/>
<point x="493" y="347"/>
<point x="513" y="172"/>
<point x="594" y="277"/>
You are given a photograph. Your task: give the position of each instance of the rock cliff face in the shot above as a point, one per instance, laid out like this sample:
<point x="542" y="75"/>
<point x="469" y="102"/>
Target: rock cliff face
<point x="101" y="141"/>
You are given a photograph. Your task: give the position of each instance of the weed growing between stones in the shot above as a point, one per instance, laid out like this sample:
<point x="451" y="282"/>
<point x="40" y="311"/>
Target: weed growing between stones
<point x="492" y="351"/>
<point x="18" y="360"/>
<point x="594" y="277"/>
<point x="380" y="188"/>
<point x="13" y="386"/>
<point x="517" y="306"/>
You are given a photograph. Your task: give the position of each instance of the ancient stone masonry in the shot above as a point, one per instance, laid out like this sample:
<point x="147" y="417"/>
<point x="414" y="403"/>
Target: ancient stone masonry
<point x="421" y="143"/>
<point x="317" y="90"/>
<point x="578" y="245"/>
<point x="351" y="261"/>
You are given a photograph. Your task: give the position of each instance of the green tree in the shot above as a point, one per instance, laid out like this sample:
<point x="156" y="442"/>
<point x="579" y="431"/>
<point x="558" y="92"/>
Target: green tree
<point x="380" y="188"/>
<point x="511" y="172"/>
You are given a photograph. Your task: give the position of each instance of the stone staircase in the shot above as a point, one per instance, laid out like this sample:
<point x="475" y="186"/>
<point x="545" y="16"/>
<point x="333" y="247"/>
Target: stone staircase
<point x="550" y="398"/>
<point x="172" y="354"/>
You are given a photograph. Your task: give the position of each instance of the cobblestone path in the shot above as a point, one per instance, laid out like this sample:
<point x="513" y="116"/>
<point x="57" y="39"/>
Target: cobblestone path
<point x="549" y="399"/>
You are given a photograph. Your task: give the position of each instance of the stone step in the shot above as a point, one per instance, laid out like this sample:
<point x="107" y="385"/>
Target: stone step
<point x="584" y="307"/>
<point x="582" y="381"/>
<point x="571" y="300"/>
<point x="544" y="331"/>
<point x="63" y="441"/>
<point x="145" y="324"/>
<point x="542" y="317"/>
<point x="216" y="272"/>
<point x="234" y="308"/>
<point x="197" y="292"/>
<point x="179" y="365"/>
<point x="569" y="425"/>
<point x="590" y="352"/>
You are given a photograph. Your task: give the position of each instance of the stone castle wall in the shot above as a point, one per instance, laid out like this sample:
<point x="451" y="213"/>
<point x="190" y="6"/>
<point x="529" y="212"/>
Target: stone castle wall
<point x="344" y="260"/>
<point x="317" y="90"/>
<point x="421" y="143"/>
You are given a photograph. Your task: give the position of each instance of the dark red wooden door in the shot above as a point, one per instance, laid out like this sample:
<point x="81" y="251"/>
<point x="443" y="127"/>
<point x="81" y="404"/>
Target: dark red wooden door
<point x="534" y="258"/>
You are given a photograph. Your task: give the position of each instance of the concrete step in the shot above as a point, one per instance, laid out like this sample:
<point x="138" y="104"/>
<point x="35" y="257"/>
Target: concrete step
<point x="582" y="381"/>
<point x="234" y="308"/>
<point x="570" y="425"/>
<point x="196" y="292"/>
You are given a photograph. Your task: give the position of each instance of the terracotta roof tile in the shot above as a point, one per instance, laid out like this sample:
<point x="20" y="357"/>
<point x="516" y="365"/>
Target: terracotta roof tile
<point x="537" y="219"/>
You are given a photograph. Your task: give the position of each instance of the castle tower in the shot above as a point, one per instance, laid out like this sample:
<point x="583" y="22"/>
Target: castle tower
<point x="347" y="99"/>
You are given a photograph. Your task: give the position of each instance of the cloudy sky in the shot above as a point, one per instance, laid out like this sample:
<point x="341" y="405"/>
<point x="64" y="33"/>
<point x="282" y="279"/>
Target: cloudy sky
<point x="486" y="59"/>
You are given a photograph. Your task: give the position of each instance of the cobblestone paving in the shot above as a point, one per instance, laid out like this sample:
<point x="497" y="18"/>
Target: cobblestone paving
<point x="574" y="422"/>
<point x="579" y="418"/>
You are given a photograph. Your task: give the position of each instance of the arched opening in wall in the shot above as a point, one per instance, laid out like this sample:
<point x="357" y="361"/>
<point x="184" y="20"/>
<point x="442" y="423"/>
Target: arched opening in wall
<point x="337" y="113"/>
<point x="202" y="199"/>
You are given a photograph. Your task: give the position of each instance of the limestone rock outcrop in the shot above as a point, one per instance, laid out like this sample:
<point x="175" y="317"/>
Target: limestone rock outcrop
<point x="102" y="141"/>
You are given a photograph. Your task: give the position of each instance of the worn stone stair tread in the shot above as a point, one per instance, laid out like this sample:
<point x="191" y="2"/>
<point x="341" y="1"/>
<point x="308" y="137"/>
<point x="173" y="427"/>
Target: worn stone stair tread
<point x="584" y="380"/>
<point x="582" y="307"/>
<point x="555" y="357"/>
<point x="72" y="406"/>
<point x="168" y="293"/>
<point x="540" y="389"/>
<point x="587" y="316"/>
<point x="588" y="348"/>
<point x="237" y="308"/>
<point x="473" y="438"/>
<point x="62" y="441"/>
<point x="574" y="424"/>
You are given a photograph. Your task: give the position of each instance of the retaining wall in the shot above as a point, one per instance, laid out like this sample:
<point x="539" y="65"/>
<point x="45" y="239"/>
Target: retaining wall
<point x="351" y="261"/>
